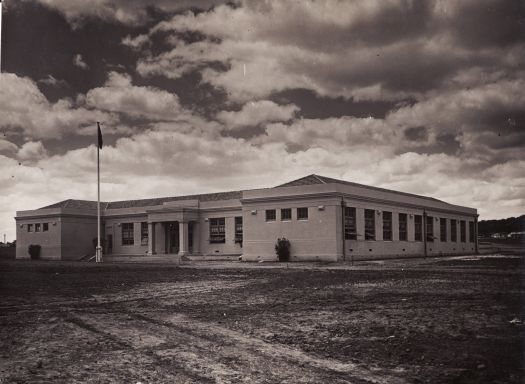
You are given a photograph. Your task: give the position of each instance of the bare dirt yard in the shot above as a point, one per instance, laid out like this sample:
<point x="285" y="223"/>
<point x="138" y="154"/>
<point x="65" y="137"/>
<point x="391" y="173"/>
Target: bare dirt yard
<point x="453" y="320"/>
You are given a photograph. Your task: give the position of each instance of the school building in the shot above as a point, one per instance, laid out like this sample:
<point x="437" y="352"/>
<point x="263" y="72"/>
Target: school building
<point x="323" y="218"/>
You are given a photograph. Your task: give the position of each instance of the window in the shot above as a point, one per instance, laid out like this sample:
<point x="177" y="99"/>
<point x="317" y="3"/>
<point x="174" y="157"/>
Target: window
<point x="471" y="236"/>
<point x="286" y="214"/>
<point x="463" y="230"/>
<point x="144" y="233"/>
<point x="403" y="227"/>
<point x="217" y="230"/>
<point x="302" y="213"/>
<point x="350" y="224"/>
<point x="270" y="215"/>
<point x="127" y="234"/>
<point x="38" y="227"/>
<point x="418" y="228"/>
<point x="238" y="229"/>
<point x="443" y="229"/>
<point x="110" y="243"/>
<point x="387" y="225"/>
<point x="453" y="230"/>
<point x="370" y="224"/>
<point x="45" y="227"/>
<point x="430" y="228"/>
<point x="29" y="227"/>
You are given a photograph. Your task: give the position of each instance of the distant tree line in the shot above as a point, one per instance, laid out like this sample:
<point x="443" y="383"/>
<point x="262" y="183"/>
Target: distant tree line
<point x="511" y="224"/>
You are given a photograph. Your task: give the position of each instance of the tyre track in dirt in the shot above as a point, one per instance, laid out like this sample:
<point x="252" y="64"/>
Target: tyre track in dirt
<point x="215" y="353"/>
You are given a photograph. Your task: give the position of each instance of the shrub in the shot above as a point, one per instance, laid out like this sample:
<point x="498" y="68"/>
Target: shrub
<point x="34" y="251"/>
<point x="282" y="249"/>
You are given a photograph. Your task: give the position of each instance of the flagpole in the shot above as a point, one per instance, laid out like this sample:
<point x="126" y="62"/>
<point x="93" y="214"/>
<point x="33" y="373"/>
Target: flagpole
<point x="99" y="248"/>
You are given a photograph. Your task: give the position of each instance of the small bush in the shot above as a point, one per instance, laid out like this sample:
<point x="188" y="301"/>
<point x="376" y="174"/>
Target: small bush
<point x="282" y="249"/>
<point x="34" y="251"/>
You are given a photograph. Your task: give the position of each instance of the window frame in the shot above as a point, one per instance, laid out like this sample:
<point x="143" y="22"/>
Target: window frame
<point x="389" y="223"/>
<point x="443" y="230"/>
<point x="29" y="227"/>
<point x="45" y="227"/>
<point x="463" y="231"/>
<point x="370" y="224"/>
<point x="418" y="228"/>
<point x="471" y="232"/>
<point x="289" y="211"/>
<point x="144" y="233"/>
<point x="217" y="230"/>
<point x="350" y="221"/>
<point x="38" y="227"/>
<point x="403" y="231"/>
<point x="127" y="229"/>
<point x="429" y="229"/>
<point x="300" y="215"/>
<point x="271" y="215"/>
<point x="238" y="233"/>
<point x="453" y="230"/>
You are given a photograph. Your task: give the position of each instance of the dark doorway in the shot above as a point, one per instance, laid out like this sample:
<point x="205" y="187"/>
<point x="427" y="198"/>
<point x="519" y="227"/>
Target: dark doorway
<point x="172" y="237"/>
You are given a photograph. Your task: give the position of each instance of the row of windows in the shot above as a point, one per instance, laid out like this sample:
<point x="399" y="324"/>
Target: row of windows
<point x="350" y="227"/>
<point x="217" y="231"/>
<point x="38" y="227"/>
<point x="286" y="214"/>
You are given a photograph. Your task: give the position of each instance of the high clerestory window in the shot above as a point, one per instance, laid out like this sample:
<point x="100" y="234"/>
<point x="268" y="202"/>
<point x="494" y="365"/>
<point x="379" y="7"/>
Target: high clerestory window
<point x="387" y="226"/>
<point x="403" y="227"/>
<point x="217" y="230"/>
<point x="127" y="234"/>
<point x="370" y="224"/>
<point x="302" y="213"/>
<point x="350" y="224"/>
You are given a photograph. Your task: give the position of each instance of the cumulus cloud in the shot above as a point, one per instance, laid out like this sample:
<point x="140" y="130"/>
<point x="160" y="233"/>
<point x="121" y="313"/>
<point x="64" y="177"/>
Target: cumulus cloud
<point x="32" y="151"/>
<point x="119" y="95"/>
<point x="25" y="109"/>
<point x="255" y="113"/>
<point x="78" y="60"/>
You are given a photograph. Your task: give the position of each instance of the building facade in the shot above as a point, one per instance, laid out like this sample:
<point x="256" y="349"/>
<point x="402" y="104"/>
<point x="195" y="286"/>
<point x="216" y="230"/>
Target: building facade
<point x="323" y="218"/>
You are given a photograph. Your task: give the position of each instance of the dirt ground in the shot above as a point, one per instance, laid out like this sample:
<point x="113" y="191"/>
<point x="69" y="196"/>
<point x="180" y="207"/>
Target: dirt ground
<point x="453" y="320"/>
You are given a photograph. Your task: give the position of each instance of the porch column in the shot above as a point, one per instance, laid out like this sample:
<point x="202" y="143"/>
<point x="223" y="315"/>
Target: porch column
<point x="151" y="238"/>
<point x="196" y="238"/>
<point x="183" y="238"/>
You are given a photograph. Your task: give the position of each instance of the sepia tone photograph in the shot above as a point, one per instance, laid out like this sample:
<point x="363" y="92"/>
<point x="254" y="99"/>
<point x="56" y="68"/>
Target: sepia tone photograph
<point x="262" y="191"/>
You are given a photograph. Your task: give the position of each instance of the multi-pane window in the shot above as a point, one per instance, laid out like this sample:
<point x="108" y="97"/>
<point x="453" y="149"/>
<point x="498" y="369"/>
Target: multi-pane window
<point x="453" y="230"/>
<point x="302" y="213"/>
<point x="471" y="235"/>
<point x="29" y="227"/>
<point x="418" y="228"/>
<point x="370" y="224"/>
<point x="144" y="233"/>
<point x="45" y="227"/>
<point x="38" y="227"/>
<point x="430" y="228"/>
<point x="238" y="229"/>
<point x="387" y="225"/>
<point x="270" y="215"/>
<point x="403" y="227"/>
<point x="127" y="234"/>
<point x="350" y="224"/>
<point x="463" y="230"/>
<point x="217" y="230"/>
<point x="286" y="214"/>
<point x="443" y="229"/>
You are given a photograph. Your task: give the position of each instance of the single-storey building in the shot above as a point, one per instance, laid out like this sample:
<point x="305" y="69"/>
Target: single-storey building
<point x="323" y="218"/>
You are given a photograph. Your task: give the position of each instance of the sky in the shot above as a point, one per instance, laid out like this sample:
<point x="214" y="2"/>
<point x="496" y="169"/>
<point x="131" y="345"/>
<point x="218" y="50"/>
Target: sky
<point x="426" y="97"/>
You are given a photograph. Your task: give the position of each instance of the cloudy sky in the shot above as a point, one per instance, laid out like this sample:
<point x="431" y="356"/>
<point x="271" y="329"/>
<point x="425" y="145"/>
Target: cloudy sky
<point x="197" y="96"/>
